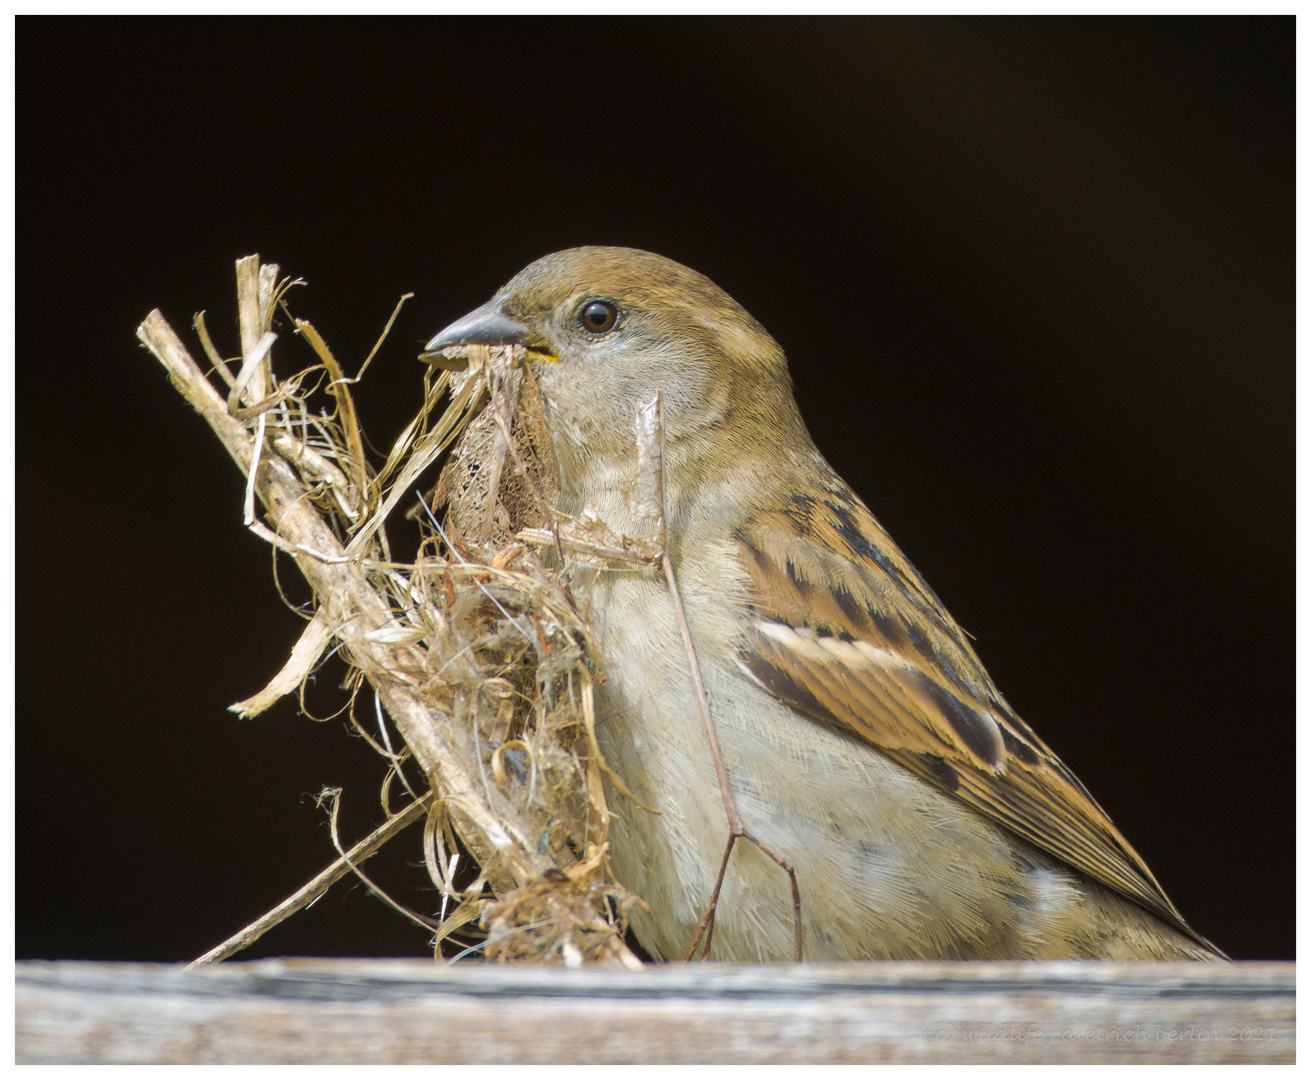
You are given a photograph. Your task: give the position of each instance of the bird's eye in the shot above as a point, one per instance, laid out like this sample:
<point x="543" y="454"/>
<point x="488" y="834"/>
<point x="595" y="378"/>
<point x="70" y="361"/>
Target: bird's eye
<point x="598" y="316"/>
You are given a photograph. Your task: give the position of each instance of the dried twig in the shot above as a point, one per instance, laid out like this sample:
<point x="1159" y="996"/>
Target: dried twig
<point x="432" y="657"/>
<point x="317" y="886"/>
<point x="651" y="434"/>
<point x="589" y="537"/>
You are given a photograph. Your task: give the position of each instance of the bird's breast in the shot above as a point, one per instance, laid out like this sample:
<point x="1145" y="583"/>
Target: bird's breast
<point x="859" y="829"/>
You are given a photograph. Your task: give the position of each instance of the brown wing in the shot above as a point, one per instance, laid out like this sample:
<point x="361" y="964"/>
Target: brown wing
<point x="849" y="633"/>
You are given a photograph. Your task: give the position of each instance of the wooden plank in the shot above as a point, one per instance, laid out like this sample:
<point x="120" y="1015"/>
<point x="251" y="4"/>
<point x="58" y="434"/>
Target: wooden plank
<point x="394" y="1011"/>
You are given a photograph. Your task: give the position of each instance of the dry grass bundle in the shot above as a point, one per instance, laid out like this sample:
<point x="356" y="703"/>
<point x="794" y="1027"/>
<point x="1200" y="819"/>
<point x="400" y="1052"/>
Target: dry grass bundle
<point x="476" y="649"/>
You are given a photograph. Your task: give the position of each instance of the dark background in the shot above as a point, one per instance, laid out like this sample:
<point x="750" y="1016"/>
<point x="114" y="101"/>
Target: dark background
<point x="1035" y="278"/>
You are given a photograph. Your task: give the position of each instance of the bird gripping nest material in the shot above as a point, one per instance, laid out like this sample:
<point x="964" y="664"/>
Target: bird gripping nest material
<point x="866" y="748"/>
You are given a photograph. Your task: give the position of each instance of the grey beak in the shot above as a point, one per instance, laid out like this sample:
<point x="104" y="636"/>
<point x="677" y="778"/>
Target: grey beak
<point x="486" y="325"/>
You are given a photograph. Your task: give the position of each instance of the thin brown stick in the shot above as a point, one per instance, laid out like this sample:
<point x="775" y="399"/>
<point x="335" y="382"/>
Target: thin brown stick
<point x="730" y="807"/>
<point x="333" y="795"/>
<point x="219" y="364"/>
<point x="735" y="828"/>
<point x="707" y="925"/>
<point x="382" y="337"/>
<point x="317" y="886"/>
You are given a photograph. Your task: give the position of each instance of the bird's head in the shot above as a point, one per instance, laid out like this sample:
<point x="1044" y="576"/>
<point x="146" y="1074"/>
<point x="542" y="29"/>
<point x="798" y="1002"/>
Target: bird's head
<point x="616" y="324"/>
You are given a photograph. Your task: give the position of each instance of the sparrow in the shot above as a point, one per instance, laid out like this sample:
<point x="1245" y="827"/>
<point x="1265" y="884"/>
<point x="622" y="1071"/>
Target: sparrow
<point x="862" y="739"/>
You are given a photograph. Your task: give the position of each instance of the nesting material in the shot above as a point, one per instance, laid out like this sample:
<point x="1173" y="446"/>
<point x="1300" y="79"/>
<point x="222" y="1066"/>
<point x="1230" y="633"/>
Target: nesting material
<point x="476" y="649"/>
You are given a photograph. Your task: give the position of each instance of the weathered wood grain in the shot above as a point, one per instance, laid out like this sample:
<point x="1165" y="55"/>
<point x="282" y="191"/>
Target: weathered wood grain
<point x="380" y="1011"/>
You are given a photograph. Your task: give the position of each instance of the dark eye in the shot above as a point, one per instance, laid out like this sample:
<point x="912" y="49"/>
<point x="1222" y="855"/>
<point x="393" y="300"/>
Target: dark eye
<point x="598" y="316"/>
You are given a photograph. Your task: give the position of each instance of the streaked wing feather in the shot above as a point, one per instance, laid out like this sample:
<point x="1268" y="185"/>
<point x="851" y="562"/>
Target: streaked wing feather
<point x="848" y="633"/>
